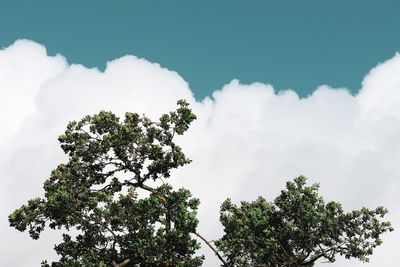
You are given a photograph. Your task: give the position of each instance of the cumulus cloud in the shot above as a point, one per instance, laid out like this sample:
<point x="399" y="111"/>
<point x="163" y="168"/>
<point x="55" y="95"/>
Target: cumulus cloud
<point x="248" y="139"/>
<point x="22" y="73"/>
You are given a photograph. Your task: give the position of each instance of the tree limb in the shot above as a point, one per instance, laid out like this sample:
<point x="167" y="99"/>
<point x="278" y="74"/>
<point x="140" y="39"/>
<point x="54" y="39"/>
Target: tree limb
<point x="212" y="248"/>
<point x="125" y="262"/>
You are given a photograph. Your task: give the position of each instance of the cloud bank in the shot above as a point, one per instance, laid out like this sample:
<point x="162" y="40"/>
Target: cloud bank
<point x="248" y="139"/>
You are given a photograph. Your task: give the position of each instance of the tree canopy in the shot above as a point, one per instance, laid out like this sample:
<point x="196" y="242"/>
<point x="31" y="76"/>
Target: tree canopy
<point x="96" y="193"/>
<point x="297" y="229"/>
<point x="112" y="203"/>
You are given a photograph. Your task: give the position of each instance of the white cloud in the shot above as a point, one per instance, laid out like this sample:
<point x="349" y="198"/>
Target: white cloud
<point x="22" y="73"/>
<point x="248" y="139"/>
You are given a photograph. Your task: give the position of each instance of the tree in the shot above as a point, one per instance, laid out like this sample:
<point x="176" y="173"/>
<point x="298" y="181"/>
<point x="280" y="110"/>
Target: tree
<point x="115" y="208"/>
<point x="297" y="229"/>
<point x="96" y="194"/>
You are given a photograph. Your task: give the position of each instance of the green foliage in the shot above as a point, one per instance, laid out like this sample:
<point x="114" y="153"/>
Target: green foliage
<point x="95" y="192"/>
<point x="297" y="229"/>
<point x="103" y="195"/>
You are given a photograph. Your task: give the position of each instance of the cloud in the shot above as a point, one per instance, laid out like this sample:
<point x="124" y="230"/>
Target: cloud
<point x="22" y="73"/>
<point x="248" y="139"/>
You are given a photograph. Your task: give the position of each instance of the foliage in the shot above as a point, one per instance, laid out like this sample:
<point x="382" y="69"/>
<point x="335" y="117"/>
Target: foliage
<point x="297" y="229"/>
<point x="111" y="216"/>
<point x="96" y="193"/>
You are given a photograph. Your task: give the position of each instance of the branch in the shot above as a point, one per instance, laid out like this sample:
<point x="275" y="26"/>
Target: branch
<point x="147" y="188"/>
<point x="125" y="262"/>
<point x="323" y="253"/>
<point x="212" y="248"/>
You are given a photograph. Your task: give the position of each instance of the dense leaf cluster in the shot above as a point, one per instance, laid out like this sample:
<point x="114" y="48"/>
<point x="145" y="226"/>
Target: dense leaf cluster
<point x="95" y="192"/>
<point x="296" y="229"/>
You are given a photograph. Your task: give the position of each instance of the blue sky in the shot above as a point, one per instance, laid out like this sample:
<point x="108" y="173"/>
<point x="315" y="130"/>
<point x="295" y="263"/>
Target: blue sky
<point x="289" y="44"/>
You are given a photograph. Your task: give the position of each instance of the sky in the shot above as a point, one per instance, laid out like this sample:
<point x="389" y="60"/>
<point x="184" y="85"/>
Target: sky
<point x="290" y="44"/>
<point x="280" y="90"/>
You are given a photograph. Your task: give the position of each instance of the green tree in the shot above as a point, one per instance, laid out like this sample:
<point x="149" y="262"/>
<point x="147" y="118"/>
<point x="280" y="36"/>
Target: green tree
<point x="297" y="229"/>
<point x="112" y="195"/>
<point x="96" y="193"/>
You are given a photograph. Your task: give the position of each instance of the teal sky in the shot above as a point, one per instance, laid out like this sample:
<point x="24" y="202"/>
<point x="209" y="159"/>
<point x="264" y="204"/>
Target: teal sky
<point x="289" y="44"/>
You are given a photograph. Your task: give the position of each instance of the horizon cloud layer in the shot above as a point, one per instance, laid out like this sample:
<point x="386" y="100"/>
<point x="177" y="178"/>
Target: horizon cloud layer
<point x="248" y="140"/>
